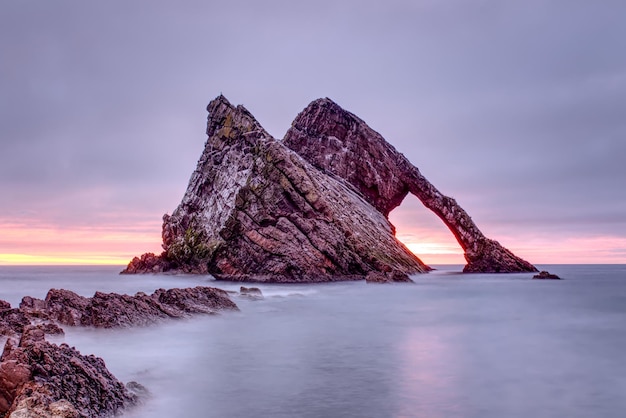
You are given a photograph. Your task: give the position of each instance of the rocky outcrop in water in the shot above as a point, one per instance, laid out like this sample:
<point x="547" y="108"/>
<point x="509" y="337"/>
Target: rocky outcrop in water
<point x="111" y="310"/>
<point x="255" y="210"/>
<point x="544" y="275"/>
<point x="387" y="277"/>
<point x="38" y="379"/>
<point x="310" y="208"/>
<point x="41" y="379"/>
<point x="338" y="142"/>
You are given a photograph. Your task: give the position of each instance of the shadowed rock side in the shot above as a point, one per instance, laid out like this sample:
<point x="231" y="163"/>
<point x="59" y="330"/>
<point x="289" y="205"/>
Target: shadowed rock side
<point x="338" y="142"/>
<point x="255" y="210"/>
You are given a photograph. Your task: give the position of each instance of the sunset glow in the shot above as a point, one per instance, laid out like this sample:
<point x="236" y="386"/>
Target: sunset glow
<point x="46" y="245"/>
<point x="117" y="241"/>
<point x="434" y="244"/>
<point x="428" y="238"/>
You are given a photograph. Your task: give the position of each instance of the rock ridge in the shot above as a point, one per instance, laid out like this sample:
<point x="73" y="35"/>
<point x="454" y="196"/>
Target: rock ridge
<point x="113" y="310"/>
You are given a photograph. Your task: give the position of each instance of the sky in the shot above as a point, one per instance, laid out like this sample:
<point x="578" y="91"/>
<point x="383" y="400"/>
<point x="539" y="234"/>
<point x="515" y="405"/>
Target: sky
<point x="517" y="109"/>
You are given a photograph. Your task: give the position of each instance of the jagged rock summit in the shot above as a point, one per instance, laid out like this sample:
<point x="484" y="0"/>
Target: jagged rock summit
<point x="310" y="208"/>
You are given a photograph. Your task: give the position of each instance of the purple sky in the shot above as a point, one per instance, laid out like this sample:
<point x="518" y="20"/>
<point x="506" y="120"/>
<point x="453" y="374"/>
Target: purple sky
<point x="515" y="108"/>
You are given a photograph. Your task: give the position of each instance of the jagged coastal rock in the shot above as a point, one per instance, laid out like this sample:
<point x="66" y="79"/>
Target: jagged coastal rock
<point x="37" y="378"/>
<point x="42" y="379"/>
<point x="310" y="208"/>
<point x="257" y="211"/>
<point x="112" y="310"/>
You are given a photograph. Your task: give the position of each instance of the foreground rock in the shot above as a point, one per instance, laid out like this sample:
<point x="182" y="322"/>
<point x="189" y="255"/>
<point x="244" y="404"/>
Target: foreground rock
<point x="340" y="143"/>
<point x="255" y="210"/>
<point x="312" y="208"/>
<point x="109" y="310"/>
<point x="40" y="379"/>
<point x="544" y="275"/>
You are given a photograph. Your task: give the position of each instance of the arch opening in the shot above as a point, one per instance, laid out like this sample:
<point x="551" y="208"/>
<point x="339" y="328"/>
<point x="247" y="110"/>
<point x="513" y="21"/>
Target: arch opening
<point x="425" y="234"/>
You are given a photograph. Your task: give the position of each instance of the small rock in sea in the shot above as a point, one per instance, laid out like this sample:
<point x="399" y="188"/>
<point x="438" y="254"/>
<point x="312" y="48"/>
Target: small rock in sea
<point x="251" y="292"/>
<point x="545" y="275"/>
<point x="393" y="276"/>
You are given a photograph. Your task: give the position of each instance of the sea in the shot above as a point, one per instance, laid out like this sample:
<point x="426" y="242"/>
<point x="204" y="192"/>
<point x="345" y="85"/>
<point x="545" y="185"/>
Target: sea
<point x="448" y="345"/>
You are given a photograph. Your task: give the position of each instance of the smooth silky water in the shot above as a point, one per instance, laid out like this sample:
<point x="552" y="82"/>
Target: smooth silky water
<point x="450" y="345"/>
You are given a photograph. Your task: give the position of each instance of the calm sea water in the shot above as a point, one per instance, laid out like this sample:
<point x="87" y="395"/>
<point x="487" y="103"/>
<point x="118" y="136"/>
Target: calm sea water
<point x="450" y="345"/>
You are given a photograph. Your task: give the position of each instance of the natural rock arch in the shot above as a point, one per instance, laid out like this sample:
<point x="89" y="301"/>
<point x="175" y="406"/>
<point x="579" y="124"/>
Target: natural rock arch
<point x="312" y="207"/>
<point x="424" y="234"/>
<point x="336" y="141"/>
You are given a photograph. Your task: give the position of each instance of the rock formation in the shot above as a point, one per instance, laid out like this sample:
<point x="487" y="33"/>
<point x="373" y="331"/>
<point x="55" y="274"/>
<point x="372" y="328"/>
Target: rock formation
<point x="387" y="277"/>
<point x="338" y="142"/>
<point x="544" y="275"/>
<point x="111" y="310"/>
<point x="310" y="208"/>
<point x="40" y="379"/>
<point x="255" y="210"/>
<point x="37" y="379"/>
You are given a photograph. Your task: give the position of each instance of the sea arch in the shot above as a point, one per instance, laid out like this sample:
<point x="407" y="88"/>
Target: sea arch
<point x="339" y="143"/>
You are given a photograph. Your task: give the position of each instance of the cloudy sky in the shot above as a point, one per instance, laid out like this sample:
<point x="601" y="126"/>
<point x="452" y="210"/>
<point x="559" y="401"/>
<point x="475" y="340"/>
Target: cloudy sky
<point x="515" y="108"/>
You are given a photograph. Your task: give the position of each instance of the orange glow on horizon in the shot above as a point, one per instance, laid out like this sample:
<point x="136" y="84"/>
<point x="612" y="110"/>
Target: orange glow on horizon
<point x="22" y="244"/>
<point x="429" y="239"/>
<point x="60" y="259"/>
<point x="99" y="245"/>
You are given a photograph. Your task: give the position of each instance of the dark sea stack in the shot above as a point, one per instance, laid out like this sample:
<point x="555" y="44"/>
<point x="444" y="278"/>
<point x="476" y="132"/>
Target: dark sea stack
<point x="544" y="275"/>
<point x="255" y="210"/>
<point x="40" y="379"/>
<point x="338" y="142"/>
<point x="112" y="310"/>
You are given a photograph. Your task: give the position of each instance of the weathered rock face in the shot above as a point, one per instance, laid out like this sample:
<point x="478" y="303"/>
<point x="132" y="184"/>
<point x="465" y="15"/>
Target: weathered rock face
<point x="312" y="207"/>
<point x="340" y="143"/>
<point x="111" y="310"/>
<point x="255" y="210"/>
<point x="38" y="379"/>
